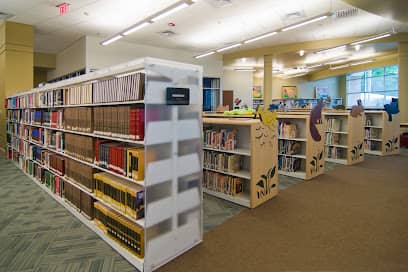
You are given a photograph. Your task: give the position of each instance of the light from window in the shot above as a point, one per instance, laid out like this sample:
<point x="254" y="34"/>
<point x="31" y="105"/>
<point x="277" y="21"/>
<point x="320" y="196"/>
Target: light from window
<point x="375" y="87"/>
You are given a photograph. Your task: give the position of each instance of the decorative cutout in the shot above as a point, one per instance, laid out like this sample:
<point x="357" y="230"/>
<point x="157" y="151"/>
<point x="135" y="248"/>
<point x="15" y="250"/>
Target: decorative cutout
<point x="317" y="163"/>
<point x="392" y="144"/>
<point x="392" y="108"/>
<point x="264" y="183"/>
<point x="268" y="118"/>
<point x="357" y="110"/>
<point x="357" y="152"/>
<point x="316" y="119"/>
<point x="264" y="134"/>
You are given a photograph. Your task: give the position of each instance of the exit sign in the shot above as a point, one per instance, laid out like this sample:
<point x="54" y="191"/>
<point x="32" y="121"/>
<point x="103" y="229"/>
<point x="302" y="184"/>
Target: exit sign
<point x="63" y="8"/>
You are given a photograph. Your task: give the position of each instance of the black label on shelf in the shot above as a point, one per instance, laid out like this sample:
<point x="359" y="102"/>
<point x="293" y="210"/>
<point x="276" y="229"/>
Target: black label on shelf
<point x="178" y="96"/>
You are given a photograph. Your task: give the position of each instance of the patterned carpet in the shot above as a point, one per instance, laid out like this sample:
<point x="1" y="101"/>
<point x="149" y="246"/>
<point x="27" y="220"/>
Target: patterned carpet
<point x="37" y="234"/>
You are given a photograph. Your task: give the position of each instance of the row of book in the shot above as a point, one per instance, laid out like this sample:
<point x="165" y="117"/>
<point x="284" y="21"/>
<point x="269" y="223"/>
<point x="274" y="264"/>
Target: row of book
<point x="222" y="161"/>
<point x="372" y="145"/>
<point x="47" y="98"/>
<point x="333" y="124"/>
<point x="373" y="121"/>
<point x="289" y="147"/>
<point x="333" y="152"/>
<point x="121" y="158"/>
<point x="120" y="121"/>
<point x="289" y="164"/>
<point x="125" y="232"/>
<point x="80" y="147"/>
<point x="51" y="181"/>
<point x="81" y="200"/>
<point x="223" y="183"/>
<point x="78" y="95"/>
<point x="55" y="162"/>
<point x="80" y="173"/>
<point x="53" y="139"/>
<point x="79" y="119"/>
<point x="223" y="139"/>
<point x="125" y="196"/>
<point x="372" y="133"/>
<point x="287" y="129"/>
<point x="333" y="138"/>
<point x="124" y="88"/>
<point x="14" y="115"/>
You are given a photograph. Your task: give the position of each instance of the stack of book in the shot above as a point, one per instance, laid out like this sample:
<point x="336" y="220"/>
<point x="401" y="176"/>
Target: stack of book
<point x="223" y="183"/>
<point x="333" y="152"/>
<point x="222" y="139"/>
<point x="287" y="129"/>
<point x="289" y="147"/>
<point x="222" y="161"/>
<point x="333" y="124"/>
<point x="332" y="138"/>
<point x="289" y="164"/>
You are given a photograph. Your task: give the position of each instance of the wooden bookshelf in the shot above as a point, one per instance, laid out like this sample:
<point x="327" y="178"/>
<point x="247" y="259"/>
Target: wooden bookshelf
<point x="300" y="156"/>
<point x="344" y="137"/>
<point x="381" y="136"/>
<point x="172" y="163"/>
<point x="256" y="146"/>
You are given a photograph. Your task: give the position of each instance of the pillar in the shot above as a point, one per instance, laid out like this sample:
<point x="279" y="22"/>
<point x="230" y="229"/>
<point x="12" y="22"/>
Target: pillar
<point x="403" y="80"/>
<point x="267" y="81"/>
<point x="16" y="65"/>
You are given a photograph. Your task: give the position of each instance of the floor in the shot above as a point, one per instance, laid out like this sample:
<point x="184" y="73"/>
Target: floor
<point x="30" y="242"/>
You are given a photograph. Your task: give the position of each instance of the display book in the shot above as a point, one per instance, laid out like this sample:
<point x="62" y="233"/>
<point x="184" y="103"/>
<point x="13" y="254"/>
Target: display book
<point x="344" y="131"/>
<point x="142" y="189"/>
<point x="240" y="160"/>
<point x="381" y="133"/>
<point x="301" y="143"/>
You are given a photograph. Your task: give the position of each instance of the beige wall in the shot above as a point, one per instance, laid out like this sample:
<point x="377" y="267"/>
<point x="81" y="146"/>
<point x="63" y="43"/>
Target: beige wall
<point x="241" y="83"/>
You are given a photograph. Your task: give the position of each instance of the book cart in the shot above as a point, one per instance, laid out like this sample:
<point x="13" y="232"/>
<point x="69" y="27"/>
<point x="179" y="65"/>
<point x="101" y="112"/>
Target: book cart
<point x="171" y="218"/>
<point x="240" y="160"/>
<point x="381" y="136"/>
<point x="300" y="155"/>
<point x="344" y="137"/>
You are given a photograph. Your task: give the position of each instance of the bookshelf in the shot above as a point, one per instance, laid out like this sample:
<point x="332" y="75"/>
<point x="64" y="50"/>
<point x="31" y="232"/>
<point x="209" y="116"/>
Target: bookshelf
<point x="381" y="136"/>
<point x="299" y="155"/>
<point x="211" y="93"/>
<point x="344" y="137"/>
<point x="240" y="160"/>
<point x="73" y="154"/>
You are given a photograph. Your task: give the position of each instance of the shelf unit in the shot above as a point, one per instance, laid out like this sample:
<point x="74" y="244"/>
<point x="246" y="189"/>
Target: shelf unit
<point x="256" y="150"/>
<point x="300" y="156"/>
<point x="344" y="137"/>
<point x="211" y="93"/>
<point x="381" y="136"/>
<point x="172" y="222"/>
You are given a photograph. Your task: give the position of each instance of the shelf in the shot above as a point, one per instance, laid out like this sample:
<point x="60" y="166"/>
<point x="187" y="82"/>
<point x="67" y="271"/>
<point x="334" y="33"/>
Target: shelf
<point x="373" y="152"/>
<point x="258" y="99"/>
<point x="81" y="105"/>
<point x="239" y="151"/>
<point x="85" y="134"/>
<point x="372" y="139"/>
<point x="240" y="199"/>
<point x="340" y="161"/>
<point x="337" y="145"/>
<point x="293" y="139"/>
<point x="336" y="132"/>
<point x="294" y="155"/>
<point x="298" y="174"/>
<point x="141" y="183"/>
<point x="134" y="260"/>
<point x="379" y="127"/>
<point x="241" y="174"/>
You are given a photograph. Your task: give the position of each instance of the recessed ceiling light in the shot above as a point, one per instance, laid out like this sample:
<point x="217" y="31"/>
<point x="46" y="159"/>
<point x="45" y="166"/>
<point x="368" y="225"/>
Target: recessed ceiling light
<point x="309" y="21"/>
<point x="361" y="62"/>
<point x="134" y="28"/>
<point x="245" y="69"/>
<point x="373" y="38"/>
<point x="261" y="37"/>
<point x="339" y="67"/>
<point x="170" y="11"/>
<point x="204" y="55"/>
<point x="301" y="53"/>
<point x="331" y="49"/>
<point x="357" y="47"/>
<point x="113" y="39"/>
<point x="338" y="60"/>
<point x="229" y="47"/>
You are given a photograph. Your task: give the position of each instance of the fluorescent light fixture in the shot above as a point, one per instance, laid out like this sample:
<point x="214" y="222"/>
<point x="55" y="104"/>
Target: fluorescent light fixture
<point x="357" y="47"/>
<point x="373" y="38"/>
<point x="204" y="55"/>
<point x="339" y="67"/>
<point x="245" y="69"/>
<point x="134" y="28"/>
<point x="361" y="62"/>
<point x="331" y="49"/>
<point x="229" y="47"/>
<point x="261" y="37"/>
<point x="340" y="60"/>
<point x="170" y="11"/>
<point x="113" y="39"/>
<point x="314" y="66"/>
<point x="309" y="21"/>
<point x="295" y="75"/>
<point x="301" y="53"/>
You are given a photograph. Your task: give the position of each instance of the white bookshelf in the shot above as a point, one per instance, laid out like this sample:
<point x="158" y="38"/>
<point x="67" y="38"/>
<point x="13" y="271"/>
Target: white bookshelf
<point x="177" y="174"/>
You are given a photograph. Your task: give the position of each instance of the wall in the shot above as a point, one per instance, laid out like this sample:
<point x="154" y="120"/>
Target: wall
<point x="306" y="88"/>
<point x="241" y="83"/>
<point x="98" y="56"/>
<point x="69" y="60"/>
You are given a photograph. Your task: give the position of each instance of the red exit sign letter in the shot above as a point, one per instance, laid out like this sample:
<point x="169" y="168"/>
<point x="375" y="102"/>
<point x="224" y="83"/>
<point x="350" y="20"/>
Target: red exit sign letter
<point x="63" y="8"/>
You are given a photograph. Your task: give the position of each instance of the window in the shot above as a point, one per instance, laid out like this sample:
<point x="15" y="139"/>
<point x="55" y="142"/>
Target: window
<point x="374" y="87"/>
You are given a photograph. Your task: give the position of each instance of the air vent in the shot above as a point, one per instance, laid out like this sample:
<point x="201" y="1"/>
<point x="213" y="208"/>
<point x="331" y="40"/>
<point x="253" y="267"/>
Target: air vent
<point x="5" y="16"/>
<point x="167" y="33"/>
<point x="219" y="3"/>
<point x="347" y="12"/>
<point x="294" y="15"/>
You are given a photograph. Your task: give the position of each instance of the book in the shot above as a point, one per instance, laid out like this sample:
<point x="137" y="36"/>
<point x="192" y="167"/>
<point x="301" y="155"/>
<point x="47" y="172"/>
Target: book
<point x="135" y="163"/>
<point x="223" y="183"/>
<point x="80" y="173"/>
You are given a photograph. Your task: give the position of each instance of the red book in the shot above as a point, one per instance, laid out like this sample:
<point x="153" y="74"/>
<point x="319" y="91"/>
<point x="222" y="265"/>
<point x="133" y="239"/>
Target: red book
<point x="58" y="186"/>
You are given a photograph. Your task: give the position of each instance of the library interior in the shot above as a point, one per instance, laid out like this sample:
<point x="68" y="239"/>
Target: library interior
<point x="203" y="135"/>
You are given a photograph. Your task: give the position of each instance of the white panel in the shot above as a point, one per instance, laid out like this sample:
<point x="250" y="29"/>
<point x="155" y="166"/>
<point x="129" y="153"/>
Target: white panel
<point x="188" y="129"/>
<point x="158" y="172"/>
<point x="158" y="211"/>
<point x="188" y="164"/>
<point x="157" y="132"/>
<point x="188" y="199"/>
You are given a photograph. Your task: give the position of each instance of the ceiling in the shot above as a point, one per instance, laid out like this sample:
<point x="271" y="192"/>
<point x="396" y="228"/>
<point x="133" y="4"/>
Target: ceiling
<point x="200" y="27"/>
